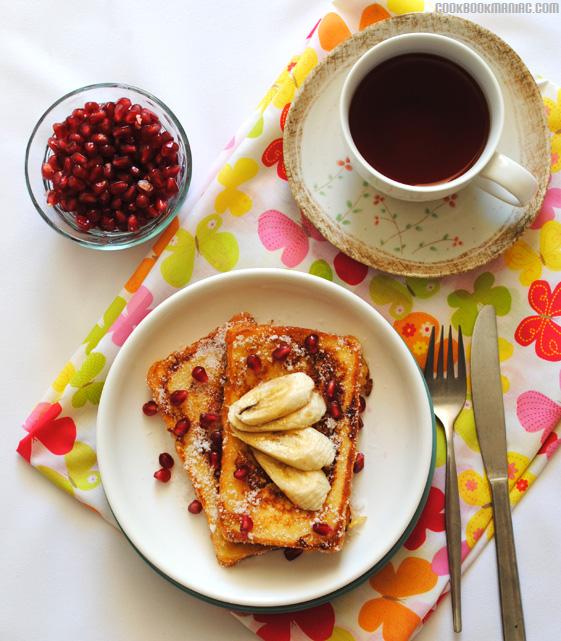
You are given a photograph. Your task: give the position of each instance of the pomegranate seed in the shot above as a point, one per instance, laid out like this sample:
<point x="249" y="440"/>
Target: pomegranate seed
<point x="128" y="149"/>
<point x="208" y="419"/>
<point x="129" y="194"/>
<point x="152" y="212"/>
<point x="121" y="109"/>
<point x="359" y="463"/>
<point x="52" y="197"/>
<point x="121" y="132"/>
<point x="90" y="107"/>
<point x="142" y="201"/>
<point x="182" y="427"/>
<point x="199" y="374"/>
<point x="80" y="172"/>
<point x="75" y="184"/>
<point x="121" y="218"/>
<point x="323" y="529"/>
<point x="107" y="223"/>
<point x="97" y="117"/>
<point x="108" y="170"/>
<point x="118" y="187"/>
<point x="241" y="472"/>
<point x="361" y="404"/>
<point x="156" y="178"/>
<point x="292" y="553"/>
<point x="60" y="129"/>
<point x="246" y="523"/>
<point x="171" y="172"/>
<point x="331" y="389"/>
<point x="121" y="162"/>
<point x="166" y="460"/>
<point x="195" y="507"/>
<point x="53" y="162"/>
<point x="214" y="458"/>
<point x="86" y="130"/>
<point x="132" y="224"/>
<point x="145" y="185"/>
<point x="368" y="387"/>
<point x="134" y="171"/>
<point x="100" y="186"/>
<point x="165" y="136"/>
<point x="360" y="423"/>
<point x="54" y="145"/>
<point x="47" y="171"/>
<point x="100" y="139"/>
<point x="312" y="343"/>
<point x="161" y="205"/>
<point x="216" y="438"/>
<point x="83" y="222"/>
<point x="281" y="352"/>
<point x="335" y="410"/>
<point x="79" y="158"/>
<point x="178" y="397"/>
<point x="150" y="130"/>
<point x="254" y="362"/>
<point x="171" y="186"/>
<point x="88" y="199"/>
<point x="163" y="475"/>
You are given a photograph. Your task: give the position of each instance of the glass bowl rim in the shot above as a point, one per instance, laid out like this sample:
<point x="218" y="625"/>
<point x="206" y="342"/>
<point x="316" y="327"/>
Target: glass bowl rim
<point x="136" y="238"/>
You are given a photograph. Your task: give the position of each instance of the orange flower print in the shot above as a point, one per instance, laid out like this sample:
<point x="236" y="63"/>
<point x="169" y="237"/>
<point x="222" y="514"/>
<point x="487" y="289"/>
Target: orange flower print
<point x="388" y="611"/>
<point x="378" y="199"/>
<point x="451" y="200"/>
<point x="346" y="164"/>
<point x="333" y="29"/>
<point x="522" y="485"/>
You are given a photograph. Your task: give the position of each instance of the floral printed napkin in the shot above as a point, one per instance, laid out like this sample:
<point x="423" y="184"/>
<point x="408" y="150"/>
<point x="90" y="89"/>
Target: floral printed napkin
<point x="246" y="218"/>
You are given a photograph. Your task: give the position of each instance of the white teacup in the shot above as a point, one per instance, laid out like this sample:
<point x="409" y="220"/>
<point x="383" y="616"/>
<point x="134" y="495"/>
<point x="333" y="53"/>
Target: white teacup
<point x="495" y="173"/>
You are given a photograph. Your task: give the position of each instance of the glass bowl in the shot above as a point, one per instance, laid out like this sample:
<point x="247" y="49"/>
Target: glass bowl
<point x="37" y="153"/>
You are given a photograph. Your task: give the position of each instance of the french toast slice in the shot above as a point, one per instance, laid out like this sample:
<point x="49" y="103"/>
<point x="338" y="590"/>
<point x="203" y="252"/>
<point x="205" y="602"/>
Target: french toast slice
<point x="276" y="521"/>
<point x="174" y="373"/>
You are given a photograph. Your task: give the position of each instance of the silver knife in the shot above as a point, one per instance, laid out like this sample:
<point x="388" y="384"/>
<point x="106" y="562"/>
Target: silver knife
<point x="487" y="397"/>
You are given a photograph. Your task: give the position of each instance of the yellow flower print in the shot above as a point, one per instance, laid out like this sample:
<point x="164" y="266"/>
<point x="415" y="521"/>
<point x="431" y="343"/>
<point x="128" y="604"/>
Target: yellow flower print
<point x="405" y="6"/>
<point x="553" y="111"/>
<point x="419" y="348"/>
<point x="61" y="381"/>
<point x="290" y="79"/>
<point x="232" y="198"/>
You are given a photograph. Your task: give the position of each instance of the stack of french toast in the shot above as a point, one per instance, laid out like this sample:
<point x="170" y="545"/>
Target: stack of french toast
<point x="265" y="420"/>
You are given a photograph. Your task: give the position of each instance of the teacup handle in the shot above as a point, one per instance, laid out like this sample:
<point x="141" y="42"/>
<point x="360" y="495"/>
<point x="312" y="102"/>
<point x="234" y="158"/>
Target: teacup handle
<point x="507" y="180"/>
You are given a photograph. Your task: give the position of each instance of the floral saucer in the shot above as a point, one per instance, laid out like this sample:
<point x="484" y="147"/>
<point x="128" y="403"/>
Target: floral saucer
<point x="452" y="235"/>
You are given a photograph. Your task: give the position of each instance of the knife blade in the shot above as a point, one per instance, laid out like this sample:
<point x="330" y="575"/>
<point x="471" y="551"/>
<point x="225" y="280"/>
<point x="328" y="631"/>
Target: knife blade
<point x="488" y="407"/>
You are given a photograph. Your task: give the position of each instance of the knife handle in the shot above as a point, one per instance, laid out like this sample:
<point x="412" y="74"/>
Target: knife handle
<point x="509" y="583"/>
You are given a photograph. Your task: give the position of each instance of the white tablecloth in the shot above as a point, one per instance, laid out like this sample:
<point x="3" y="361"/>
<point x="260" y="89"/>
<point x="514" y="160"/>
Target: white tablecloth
<point x="64" y="573"/>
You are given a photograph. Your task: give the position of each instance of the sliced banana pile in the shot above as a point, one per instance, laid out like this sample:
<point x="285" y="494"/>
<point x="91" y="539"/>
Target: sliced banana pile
<point x="275" y="419"/>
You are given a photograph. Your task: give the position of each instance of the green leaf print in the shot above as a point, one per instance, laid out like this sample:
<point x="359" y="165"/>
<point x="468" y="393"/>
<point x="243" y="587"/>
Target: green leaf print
<point x="468" y="304"/>
<point x="322" y="269"/>
<point x="84" y="379"/>
<point x="109" y="317"/>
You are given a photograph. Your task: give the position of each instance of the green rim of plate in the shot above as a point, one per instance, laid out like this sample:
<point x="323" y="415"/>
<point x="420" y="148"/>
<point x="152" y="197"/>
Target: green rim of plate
<point x="303" y="605"/>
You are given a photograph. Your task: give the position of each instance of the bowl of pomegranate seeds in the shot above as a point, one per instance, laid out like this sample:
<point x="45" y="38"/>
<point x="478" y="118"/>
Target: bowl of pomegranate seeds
<point x="108" y="166"/>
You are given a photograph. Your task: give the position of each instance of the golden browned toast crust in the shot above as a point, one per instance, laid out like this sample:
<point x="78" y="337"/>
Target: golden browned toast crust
<point x="175" y="372"/>
<point x="276" y="520"/>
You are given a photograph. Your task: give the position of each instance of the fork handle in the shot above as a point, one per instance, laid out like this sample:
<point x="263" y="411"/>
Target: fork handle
<point x="509" y="583"/>
<point x="453" y="533"/>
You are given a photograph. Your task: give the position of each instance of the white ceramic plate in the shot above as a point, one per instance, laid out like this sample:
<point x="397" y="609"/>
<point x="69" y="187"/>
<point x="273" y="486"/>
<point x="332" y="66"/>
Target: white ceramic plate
<point x="397" y="439"/>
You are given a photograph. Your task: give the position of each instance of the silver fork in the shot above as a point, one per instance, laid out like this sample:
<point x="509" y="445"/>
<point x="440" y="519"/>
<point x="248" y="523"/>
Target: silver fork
<point x="448" y="397"/>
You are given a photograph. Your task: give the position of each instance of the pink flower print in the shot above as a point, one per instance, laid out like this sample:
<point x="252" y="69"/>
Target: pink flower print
<point x="136" y="310"/>
<point x="477" y="534"/>
<point x="551" y="201"/>
<point x="512" y="471"/>
<point x="471" y="485"/>
<point x="378" y="199"/>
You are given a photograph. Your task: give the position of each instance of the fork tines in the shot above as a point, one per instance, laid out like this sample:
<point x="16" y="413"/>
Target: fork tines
<point x="429" y="365"/>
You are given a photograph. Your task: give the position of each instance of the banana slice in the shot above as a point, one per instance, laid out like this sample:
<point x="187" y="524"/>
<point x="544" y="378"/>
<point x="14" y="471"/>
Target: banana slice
<point x="303" y="417"/>
<point x="273" y="399"/>
<point x="305" y="449"/>
<point x="307" y="490"/>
